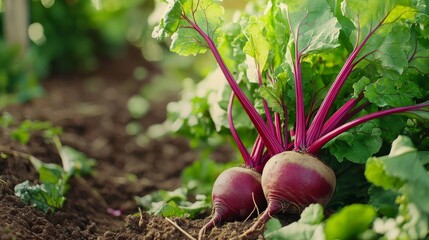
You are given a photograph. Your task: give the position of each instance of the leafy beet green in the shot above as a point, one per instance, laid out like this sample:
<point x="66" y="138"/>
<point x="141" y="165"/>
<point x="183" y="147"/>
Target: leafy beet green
<point x="287" y="49"/>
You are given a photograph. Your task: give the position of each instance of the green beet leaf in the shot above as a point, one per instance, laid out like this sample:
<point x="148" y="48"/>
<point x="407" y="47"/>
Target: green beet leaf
<point x="394" y="93"/>
<point x="349" y="222"/>
<point x="366" y="15"/>
<point x="312" y="25"/>
<point x="170" y="209"/>
<point x="360" y="86"/>
<point x="313" y="214"/>
<point x="23" y="131"/>
<point x="402" y="171"/>
<point x="383" y="201"/>
<point x="183" y="209"/>
<point x="275" y="95"/>
<point x="46" y="197"/>
<point x="272" y="226"/>
<point x="358" y="144"/>
<point x="389" y="25"/>
<point x="207" y="14"/>
<point x="390" y="49"/>
<point x="276" y="32"/>
<point x="308" y="227"/>
<point x="192" y="44"/>
<point x="257" y="45"/>
<point x="298" y="230"/>
<point x="79" y="163"/>
<point x="174" y="203"/>
<point x="170" y="22"/>
<point x="48" y="172"/>
<point x="419" y="59"/>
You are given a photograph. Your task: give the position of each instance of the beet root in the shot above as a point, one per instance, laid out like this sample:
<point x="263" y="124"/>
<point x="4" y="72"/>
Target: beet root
<point x="291" y="181"/>
<point x="237" y="194"/>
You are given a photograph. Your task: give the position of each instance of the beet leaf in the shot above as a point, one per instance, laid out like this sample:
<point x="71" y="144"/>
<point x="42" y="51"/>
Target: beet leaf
<point x="320" y="68"/>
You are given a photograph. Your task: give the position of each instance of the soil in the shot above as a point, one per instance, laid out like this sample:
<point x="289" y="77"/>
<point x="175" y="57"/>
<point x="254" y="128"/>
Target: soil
<point x="92" y="111"/>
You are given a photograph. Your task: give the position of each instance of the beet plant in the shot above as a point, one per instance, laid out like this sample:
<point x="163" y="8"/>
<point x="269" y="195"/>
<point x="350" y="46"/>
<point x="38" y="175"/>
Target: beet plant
<point x="324" y="71"/>
<point x="50" y="194"/>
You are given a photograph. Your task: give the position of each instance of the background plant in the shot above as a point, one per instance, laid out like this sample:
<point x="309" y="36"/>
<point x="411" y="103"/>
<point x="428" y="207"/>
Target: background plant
<point x="69" y="37"/>
<point x="49" y="194"/>
<point x="18" y="78"/>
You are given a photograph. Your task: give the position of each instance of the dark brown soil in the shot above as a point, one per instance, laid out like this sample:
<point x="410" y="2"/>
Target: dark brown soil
<point x="92" y="111"/>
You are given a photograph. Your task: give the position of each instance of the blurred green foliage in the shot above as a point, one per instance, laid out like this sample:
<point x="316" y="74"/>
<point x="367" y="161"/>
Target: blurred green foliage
<point x="18" y="81"/>
<point x="76" y="33"/>
<point x="68" y="36"/>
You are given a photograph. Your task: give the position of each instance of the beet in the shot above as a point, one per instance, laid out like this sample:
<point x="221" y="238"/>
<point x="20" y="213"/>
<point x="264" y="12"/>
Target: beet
<point x="291" y="181"/>
<point x="237" y="194"/>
